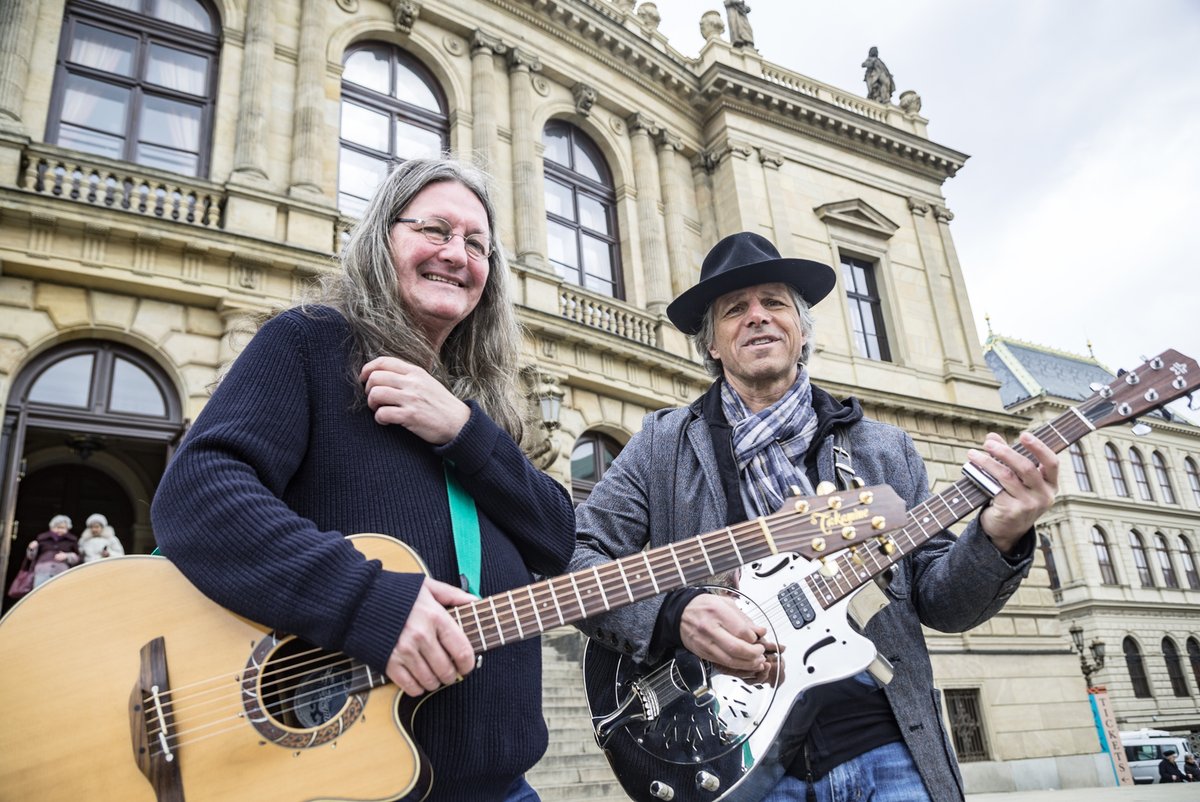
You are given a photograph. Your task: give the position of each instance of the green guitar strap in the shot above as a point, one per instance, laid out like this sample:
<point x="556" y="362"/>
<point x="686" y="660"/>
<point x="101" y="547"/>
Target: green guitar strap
<point x="464" y="520"/>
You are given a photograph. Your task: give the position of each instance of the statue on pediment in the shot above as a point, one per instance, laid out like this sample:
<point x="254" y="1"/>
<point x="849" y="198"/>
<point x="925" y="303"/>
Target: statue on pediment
<point x="880" y="84"/>
<point x="738" y="15"/>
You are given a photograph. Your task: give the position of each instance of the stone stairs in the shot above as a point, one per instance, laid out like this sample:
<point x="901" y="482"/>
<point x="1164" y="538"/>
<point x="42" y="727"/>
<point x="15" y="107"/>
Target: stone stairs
<point x="573" y="767"/>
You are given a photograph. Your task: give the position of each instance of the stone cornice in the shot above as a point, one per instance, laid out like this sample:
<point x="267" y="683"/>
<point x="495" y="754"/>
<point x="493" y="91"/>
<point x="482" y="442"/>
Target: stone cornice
<point x="723" y="87"/>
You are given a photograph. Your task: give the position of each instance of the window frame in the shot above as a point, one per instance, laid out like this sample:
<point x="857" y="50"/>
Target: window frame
<point x="1135" y="664"/>
<point x="1116" y="470"/>
<point x="870" y="298"/>
<point x="1163" y="474"/>
<point x="1103" y="552"/>
<point x="1083" y="479"/>
<point x="1141" y="559"/>
<point x="602" y="192"/>
<point x="1165" y="564"/>
<point x="395" y="109"/>
<point x="1193" y="475"/>
<point x="1140" y="478"/>
<point x="582" y="488"/>
<point x="147" y="31"/>
<point x="964" y="710"/>
<point x="1171" y="657"/>
<point x="1188" y="557"/>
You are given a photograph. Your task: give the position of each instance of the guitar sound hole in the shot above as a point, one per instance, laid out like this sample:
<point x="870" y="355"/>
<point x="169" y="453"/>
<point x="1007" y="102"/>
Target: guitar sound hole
<point x="304" y="687"/>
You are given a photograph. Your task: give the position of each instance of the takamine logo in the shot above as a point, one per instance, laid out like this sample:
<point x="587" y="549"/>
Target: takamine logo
<point x="831" y="520"/>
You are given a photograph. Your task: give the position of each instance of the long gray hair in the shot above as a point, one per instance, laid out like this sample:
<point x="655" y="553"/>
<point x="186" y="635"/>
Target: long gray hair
<point x="479" y="360"/>
<point x="702" y="340"/>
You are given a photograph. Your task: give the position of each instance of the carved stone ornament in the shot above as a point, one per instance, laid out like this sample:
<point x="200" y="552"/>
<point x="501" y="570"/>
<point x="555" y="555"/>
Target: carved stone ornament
<point x="405" y="13"/>
<point x="625" y="5"/>
<point x="485" y="41"/>
<point x="349" y="6"/>
<point x="740" y="32"/>
<point x="617" y="124"/>
<point x="910" y="103"/>
<point x="711" y="25"/>
<point x="454" y="46"/>
<point x="878" y="78"/>
<point x="585" y="98"/>
<point x="649" y="16"/>
<point x="918" y="207"/>
<point x="540" y="84"/>
<point x="942" y="214"/>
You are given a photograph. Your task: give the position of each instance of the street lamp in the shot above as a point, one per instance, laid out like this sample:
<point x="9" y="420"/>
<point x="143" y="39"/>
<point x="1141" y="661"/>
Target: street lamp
<point x="1097" y="649"/>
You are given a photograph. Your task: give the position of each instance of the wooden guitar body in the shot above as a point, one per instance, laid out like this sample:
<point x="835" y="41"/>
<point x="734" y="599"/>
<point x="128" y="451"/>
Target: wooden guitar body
<point x="71" y="653"/>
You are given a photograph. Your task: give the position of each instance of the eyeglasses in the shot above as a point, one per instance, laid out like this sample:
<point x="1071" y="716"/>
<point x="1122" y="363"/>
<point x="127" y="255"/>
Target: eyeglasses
<point x="439" y="232"/>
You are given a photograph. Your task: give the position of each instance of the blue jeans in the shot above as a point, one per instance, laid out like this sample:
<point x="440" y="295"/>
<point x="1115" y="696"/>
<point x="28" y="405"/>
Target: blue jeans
<point x="885" y="774"/>
<point x="521" y="792"/>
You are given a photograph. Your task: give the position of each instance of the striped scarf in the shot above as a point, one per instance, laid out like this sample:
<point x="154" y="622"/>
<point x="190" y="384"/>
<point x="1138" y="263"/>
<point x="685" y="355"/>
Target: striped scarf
<point x="770" y="446"/>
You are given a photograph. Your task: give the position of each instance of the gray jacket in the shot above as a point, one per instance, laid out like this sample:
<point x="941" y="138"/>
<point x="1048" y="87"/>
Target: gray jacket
<point x="664" y="487"/>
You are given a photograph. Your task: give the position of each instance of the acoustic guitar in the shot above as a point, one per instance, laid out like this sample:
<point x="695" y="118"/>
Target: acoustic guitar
<point x="120" y="681"/>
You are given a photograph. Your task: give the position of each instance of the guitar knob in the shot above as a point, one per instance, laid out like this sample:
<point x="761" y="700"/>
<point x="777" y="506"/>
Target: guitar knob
<point x="706" y="781"/>
<point x="660" y="790"/>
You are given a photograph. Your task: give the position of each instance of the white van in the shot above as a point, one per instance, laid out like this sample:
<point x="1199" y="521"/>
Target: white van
<point x="1144" y="751"/>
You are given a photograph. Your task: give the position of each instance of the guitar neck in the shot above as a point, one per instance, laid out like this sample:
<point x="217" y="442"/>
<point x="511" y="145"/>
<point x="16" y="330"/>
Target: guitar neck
<point x="853" y="568"/>
<point x="524" y="612"/>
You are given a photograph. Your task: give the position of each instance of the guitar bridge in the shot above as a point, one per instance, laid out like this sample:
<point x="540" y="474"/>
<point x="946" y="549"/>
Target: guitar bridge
<point x="150" y="723"/>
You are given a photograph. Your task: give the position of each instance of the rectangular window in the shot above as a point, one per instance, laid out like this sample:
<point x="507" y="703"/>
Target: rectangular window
<point x="866" y="309"/>
<point x="966" y="725"/>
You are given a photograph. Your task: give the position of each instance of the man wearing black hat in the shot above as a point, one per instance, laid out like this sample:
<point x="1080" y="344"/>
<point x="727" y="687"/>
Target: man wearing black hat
<point x="732" y="455"/>
<point x="1168" y="769"/>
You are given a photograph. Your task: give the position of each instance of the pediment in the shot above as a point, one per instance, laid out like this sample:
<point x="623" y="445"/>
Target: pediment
<point x="857" y="214"/>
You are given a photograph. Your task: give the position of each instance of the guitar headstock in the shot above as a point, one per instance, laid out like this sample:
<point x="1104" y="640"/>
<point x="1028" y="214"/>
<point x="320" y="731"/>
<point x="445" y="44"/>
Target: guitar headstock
<point x="816" y="526"/>
<point x="1155" y="382"/>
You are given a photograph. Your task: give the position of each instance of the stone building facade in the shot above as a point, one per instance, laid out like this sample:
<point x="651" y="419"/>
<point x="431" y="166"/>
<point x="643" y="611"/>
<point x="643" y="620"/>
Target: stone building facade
<point x="170" y="170"/>
<point x="1121" y="540"/>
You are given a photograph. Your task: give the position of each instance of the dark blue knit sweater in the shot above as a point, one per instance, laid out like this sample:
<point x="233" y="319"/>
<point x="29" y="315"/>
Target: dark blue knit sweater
<point x="286" y="458"/>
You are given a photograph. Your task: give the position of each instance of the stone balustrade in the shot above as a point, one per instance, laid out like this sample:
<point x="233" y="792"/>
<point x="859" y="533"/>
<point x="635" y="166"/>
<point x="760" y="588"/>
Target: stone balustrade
<point x="807" y="86"/>
<point x="116" y="185"/>
<point x="607" y="315"/>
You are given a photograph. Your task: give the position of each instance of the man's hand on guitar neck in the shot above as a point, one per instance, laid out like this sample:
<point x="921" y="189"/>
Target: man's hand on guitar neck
<point x="432" y="650"/>
<point x="714" y="629"/>
<point x="1029" y="487"/>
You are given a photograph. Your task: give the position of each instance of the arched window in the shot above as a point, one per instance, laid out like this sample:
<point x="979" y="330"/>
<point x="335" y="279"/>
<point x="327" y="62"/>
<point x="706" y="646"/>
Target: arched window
<point x="581" y="211"/>
<point x="1188" y="558"/>
<point x="1047" y="549"/>
<point x="590" y="458"/>
<point x="1193" y="475"/>
<point x="104" y="379"/>
<point x="1164" y="477"/>
<point x="1082" y="478"/>
<point x="136" y="80"/>
<point x="1139" y="475"/>
<point x="392" y="110"/>
<point x="1137" y="669"/>
<point x="1174" y="668"/>
<point x="1140" y="560"/>
<point x="1193" y="650"/>
<point x="1170" y="579"/>
<point x="1108" y="575"/>
<point x="1115" y="470"/>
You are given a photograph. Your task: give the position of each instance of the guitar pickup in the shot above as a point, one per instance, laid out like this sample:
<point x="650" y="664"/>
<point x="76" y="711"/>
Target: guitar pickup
<point x="796" y="605"/>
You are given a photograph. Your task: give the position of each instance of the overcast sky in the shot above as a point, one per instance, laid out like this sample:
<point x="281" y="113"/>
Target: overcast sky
<point x="1075" y="216"/>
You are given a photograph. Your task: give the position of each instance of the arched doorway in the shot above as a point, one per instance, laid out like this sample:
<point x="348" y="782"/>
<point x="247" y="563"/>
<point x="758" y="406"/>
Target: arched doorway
<point x="88" y="428"/>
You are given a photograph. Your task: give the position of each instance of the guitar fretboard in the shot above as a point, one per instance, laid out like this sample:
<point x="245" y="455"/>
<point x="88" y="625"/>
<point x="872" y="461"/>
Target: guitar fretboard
<point x="853" y="568"/>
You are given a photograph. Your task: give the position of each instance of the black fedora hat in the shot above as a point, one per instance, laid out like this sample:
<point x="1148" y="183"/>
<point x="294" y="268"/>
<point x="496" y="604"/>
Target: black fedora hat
<point x="744" y="260"/>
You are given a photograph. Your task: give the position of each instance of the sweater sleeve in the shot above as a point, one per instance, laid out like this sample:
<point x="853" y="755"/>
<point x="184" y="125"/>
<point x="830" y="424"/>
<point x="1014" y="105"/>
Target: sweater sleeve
<point x="533" y="509"/>
<point x="219" y="514"/>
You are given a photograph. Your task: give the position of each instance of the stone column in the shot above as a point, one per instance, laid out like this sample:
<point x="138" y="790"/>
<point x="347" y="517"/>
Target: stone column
<point x="529" y="202"/>
<point x="777" y="196"/>
<point x="308" y="128"/>
<point x="702" y="167"/>
<point x="17" y="21"/>
<point x="258" y="58"/>
<point x="669" y="169"/>
<point x="968" y="351"/>
<point x="237" y="328"/>
<point x="650" y="229"/>
<point x="485" y="132"/>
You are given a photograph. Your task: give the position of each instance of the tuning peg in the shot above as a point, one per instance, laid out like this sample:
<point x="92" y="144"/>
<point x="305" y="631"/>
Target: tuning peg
<point x="849" y="532"/>
<point x="802" y="506"/>
<point x="795" y="490"/>
<point x="866" y="497"/>
<point x="825" y="488"/>
<point x="818" y="544"/>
